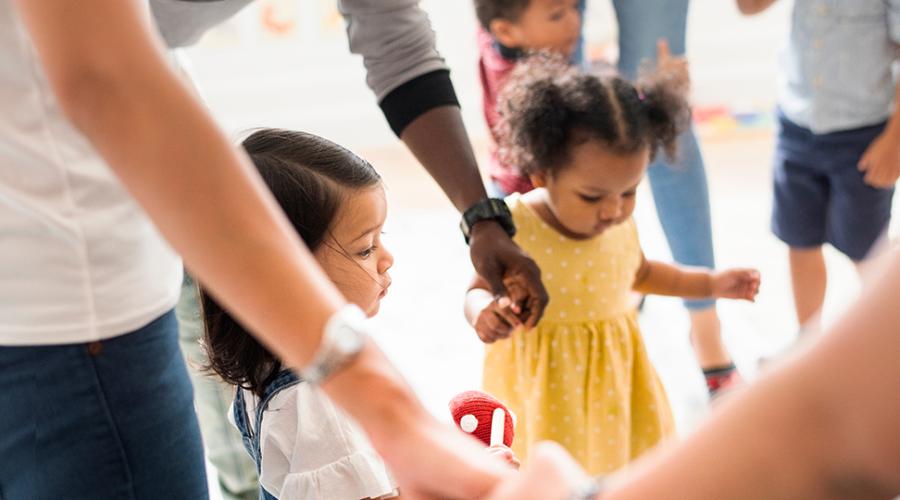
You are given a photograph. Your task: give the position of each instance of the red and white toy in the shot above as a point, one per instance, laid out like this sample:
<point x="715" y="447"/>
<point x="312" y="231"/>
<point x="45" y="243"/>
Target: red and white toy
<point x="484" y="417"/>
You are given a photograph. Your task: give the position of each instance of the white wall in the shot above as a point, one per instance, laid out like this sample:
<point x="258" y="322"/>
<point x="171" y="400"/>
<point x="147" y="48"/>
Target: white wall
<point x="308" y="80"/>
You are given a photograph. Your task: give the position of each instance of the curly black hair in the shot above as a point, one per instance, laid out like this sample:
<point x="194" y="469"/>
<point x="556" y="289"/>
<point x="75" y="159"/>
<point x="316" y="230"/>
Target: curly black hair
<point x="488" y="10"/>
<point x="307" y="175"/>
<point x="548" y="106"/>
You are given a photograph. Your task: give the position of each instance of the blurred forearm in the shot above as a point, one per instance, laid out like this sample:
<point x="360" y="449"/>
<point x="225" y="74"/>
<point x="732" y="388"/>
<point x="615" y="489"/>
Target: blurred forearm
<point x="823" y="426"/>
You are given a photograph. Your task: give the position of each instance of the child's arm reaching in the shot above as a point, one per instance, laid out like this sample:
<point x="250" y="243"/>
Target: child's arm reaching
<point x="492" y="318"/>
<point x="750" y="7"/>
<point x="659" y="278"/>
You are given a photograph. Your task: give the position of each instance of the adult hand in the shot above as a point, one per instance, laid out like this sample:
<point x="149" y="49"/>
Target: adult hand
<point x="432" y="460"/>
<point x="881" y="161"/>
<point x="550" y="474"/>
<point x="509" y="271"/>
<point x="736" y="284"/>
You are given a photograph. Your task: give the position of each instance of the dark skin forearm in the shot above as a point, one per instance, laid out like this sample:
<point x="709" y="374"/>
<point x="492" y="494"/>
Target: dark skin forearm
<point x="439" y="141"/>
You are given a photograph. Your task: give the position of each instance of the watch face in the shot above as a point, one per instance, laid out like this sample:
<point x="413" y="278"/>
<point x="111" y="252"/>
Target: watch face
<point x="348" y="340"/>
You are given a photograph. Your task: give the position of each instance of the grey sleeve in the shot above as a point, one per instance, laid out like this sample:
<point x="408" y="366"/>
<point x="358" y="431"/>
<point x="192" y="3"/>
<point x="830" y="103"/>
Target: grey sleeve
<point x="183" y="22"/>
<point x="395" y="39"/>
<point x="894" y="20"/>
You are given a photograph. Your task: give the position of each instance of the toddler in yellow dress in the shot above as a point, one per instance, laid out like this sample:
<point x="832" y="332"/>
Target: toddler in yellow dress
<point x="581" y="376"/>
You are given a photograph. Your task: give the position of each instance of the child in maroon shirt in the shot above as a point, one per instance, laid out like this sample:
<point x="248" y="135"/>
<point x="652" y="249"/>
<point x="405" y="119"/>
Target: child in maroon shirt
<point x="509" y="29"/>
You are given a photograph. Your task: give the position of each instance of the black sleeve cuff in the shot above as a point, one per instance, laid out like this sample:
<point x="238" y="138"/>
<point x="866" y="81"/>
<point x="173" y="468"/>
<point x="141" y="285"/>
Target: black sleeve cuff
<point x="412" y="99"/>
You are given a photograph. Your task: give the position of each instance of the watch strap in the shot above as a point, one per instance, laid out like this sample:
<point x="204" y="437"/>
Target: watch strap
<point x="487" y="209"/>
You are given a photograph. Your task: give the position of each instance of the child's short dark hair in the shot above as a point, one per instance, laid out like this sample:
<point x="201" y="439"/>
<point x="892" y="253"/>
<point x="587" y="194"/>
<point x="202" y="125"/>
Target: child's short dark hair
<point x="307" y="175"/>
<point x="547" y="106"/>
<point x="488" y="10"/>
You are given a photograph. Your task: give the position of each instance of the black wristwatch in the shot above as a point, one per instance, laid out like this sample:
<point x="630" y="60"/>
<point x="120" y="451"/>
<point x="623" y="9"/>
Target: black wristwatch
<point x="487" y="209"/>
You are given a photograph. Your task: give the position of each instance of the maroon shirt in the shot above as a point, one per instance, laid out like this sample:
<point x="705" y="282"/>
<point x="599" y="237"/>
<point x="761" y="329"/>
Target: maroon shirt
<point x="493" y="70"/>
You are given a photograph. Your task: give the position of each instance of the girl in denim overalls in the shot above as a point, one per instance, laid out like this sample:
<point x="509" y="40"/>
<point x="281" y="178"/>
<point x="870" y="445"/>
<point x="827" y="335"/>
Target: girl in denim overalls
<point x="304" y="445"/>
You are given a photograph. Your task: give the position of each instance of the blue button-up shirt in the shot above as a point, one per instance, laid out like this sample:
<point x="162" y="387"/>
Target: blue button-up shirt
<point x="836" y="69"/>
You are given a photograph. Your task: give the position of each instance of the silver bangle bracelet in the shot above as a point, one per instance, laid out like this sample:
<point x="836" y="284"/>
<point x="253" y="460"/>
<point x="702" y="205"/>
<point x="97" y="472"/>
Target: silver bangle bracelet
<point x="342" y="340"/>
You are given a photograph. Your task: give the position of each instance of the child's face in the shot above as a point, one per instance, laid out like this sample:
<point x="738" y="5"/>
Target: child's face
<point x="353" y="256"/>
<point x="595" y="190"/>
<point x="551" y="25"/>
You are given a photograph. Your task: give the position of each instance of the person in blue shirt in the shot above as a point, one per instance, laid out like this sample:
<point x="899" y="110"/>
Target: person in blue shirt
<point x="837" y="152"/>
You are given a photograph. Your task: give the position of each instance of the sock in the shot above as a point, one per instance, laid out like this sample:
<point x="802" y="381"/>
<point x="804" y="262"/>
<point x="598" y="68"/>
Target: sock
<point x="719" y="378"/>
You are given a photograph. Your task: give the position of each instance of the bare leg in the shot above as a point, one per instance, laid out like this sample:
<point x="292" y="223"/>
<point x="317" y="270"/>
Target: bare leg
<point x="706" y="336"/>
<point x="808" y="279"/>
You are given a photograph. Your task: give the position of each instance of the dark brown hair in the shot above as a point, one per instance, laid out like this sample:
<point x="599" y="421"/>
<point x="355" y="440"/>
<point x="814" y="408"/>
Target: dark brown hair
<point x="307" y="175"/>
<point x="548" y="106"/>
<point x="488" y="10"/>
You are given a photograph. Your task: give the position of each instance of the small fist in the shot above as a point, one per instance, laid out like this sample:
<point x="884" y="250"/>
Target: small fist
<point x="497" y="321"/>
<point x="736" y="284"/>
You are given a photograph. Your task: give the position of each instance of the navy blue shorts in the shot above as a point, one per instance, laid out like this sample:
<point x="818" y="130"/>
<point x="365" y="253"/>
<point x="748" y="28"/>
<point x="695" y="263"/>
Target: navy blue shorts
<point x="820" y="196"/>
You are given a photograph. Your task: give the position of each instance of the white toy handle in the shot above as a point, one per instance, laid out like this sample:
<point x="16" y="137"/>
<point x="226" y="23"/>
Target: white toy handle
<point x="498" y="421"/>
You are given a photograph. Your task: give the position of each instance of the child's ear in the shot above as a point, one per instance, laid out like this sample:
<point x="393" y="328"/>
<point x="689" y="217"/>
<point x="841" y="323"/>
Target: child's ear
<point x="538" y="179"/>
<point x="506" y="33"/>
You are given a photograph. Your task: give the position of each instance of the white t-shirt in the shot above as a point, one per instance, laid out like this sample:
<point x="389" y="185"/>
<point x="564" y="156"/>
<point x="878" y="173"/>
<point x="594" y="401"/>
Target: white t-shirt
<point x="311" y="449"/>
<point x="79" y="260"/>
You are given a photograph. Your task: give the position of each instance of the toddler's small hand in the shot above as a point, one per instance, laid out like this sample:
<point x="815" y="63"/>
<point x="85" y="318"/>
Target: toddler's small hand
<point x="505" y="454"/>
<point x="736" y="284"/>
<point x="497" y="321"/>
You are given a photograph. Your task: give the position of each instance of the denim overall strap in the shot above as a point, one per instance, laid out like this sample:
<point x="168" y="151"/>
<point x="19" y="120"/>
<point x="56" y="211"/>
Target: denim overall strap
<point x="242" y="421"/>
<point x="251" y="435"/>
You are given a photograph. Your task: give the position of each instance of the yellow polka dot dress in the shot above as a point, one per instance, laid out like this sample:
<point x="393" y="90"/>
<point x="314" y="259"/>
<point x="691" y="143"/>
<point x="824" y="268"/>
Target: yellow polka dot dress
<point x="581" y="377"/>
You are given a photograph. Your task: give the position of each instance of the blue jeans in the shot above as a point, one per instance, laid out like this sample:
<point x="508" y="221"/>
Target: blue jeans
<point x="112" y="419"/>
<point x="679" y="188"/>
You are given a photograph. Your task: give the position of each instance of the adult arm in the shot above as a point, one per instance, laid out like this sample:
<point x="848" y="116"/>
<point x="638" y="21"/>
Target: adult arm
<point x="821" y="426"/>
<point x="412" y="85"/>
<point x="110" y="77"/>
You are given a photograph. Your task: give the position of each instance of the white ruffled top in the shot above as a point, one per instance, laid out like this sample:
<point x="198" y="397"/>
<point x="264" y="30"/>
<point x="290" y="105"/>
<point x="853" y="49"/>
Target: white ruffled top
<point x="311" y="449"/>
